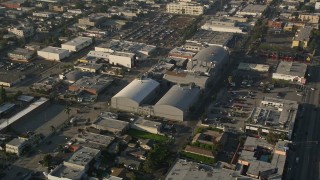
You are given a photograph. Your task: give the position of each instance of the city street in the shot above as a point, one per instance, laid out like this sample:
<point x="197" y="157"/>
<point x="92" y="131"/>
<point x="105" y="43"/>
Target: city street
<point x="304" y="157"/>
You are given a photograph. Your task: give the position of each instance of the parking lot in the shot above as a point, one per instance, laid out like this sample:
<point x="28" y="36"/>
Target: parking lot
<point x="163" y="30"/>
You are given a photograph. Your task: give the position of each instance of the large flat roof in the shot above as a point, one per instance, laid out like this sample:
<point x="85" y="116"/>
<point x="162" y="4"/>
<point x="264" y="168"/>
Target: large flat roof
<point x="188" y="170"/>
<point x="54" y="50"/>
<point x="255" y="8"/>
<point x="211" y="37"/>
<point x="148" y="123"/>
<point x="138" y="89"/>
<point x="16" y="142"/>
<point x="95" y="138"/>
<point x="68" y="172"/>
<point x="6" y="107"/>
<point x="292" y="68"/>
<point x="111" y="123"/>
<point x="303" y="33"/>
<point x="83" y="156"/>
<point x="78" y="40"/>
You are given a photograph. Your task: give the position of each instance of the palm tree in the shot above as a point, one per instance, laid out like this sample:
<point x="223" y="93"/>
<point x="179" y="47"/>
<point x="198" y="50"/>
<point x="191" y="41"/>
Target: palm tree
<point x="67" y="110"/>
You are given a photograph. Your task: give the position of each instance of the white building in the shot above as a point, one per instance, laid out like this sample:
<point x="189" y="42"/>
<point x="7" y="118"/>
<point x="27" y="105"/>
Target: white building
<point x="77" y="44"/>
<point x="116" y="58"/>
<point x="317" y="5"/>
<point x="138" y="92"/>
<point x="16" y="146"/>
<point x="53" y="53"/>
<point x="43" y="14"/>
<point x="22" y="31"/>
<point x="146" y="125"/>
<point x="254" y="10"/>
<point x="222" y="26"/>
<point x="185" y="8"/>
<point x="291" y="71"/>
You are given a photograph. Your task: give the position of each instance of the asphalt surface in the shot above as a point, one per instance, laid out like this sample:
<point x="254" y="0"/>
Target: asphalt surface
<point x="304" y="158"/>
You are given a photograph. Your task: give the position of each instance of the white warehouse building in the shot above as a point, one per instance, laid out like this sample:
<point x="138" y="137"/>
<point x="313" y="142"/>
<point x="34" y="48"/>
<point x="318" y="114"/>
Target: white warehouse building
<point x="77" y="44"/>
<point x="53" y="53"/>
<point x="176" y="103"/>
<point x="138" y="92"/>
<point x="116" y="58"/>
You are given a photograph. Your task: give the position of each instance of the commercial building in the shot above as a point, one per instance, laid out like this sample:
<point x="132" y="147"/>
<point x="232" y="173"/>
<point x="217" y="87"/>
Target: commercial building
<point x="222" y="26"/>
<point x="10" y="79"/>
<point x="114" y="126"/>
<point x="13" y="4"/>
<point x="77" y="44"/>
<point x="82" y="158"/>
<point x="181" y="53"/>
<point x="277" y="115"/>
<point x="291" y="71"/>
<point x="185" y="8"/>
<point x="125" y="46"/>
<point x="205" y="38"/>
<point x="16" y="146"/>
<point x="93" y="20"/>
<point x="146" y="125"/>
<point x="96" y="141"/>
<point x="93" y="85"/>
<point x="302" y="37"/>
<point x="22" y="31"/>
<point x="88" y="67"/>
<point x="254" y="10"/>
<point x="73" y="76"/>
<point x="177" y="102"/>
<point x="20" y="54"/>
<point x="53" y="53"/>
<point x="261" y="160"/>
<point x="138" y="92"/>
<point x="253" y="67"/>
<point x="116" y="58"/>
<point x="43" y="14"/>
<point x="187" y="170"/>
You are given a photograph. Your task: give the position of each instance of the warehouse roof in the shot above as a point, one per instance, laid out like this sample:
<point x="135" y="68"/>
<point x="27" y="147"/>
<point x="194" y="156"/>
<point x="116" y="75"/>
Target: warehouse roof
<point x="68" y="172"/>
<point x="180" y="97"/>
<point x="83" y="156"/>
<point x="16" y="142"/>
<point x="77" y="41"/>
<point x="6" y="107"/>
<point x="303" y="33"/>
<point x="138" y="89"/>
<point x="55" y="50"/>
<point x="147" y="123"/>
<point x="292" y="68"/>
<point x="211" y="54"/>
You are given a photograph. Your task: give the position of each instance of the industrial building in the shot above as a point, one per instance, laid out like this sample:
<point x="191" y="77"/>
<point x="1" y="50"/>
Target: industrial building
<point x="277" y="115"/>
<point x="135" y="94"/>
<point x="95" y="141"/>
<point x="222" y="26"/>
<point x="6" y="108"/>
<point x="209" y="38"/>
<point x="261" y="160"/>
<point x="114" y="126"/>
<point x="254" y="10"/>
<point x="20" y="54"/>
<point x="93" y="85"/>
<point x="185" y="8"/>
<point x="73" y="76"/>
<point x="146" y="125"/>
<point x="291" y="71"/>
<point x="116" y="58"/>
<point x="77" y="44"/>
<point x="53" y="53"/>
<point x="82" y="158"/>
<point x="177" y="102"/>
<point x="181" y="53"/>
<point x="66" y="172"/>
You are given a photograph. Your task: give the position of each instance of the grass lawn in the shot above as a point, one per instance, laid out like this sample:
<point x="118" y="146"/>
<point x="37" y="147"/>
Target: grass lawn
<point x="197" y="158"/>
<point x="145" y="135"/>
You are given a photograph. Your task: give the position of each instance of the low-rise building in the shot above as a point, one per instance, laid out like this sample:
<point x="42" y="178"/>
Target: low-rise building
<point x="181" y="53"/>
<point x="93" y="85"/>
<point x="82" y="158"/>
<point x="293" y="72"/>
<point x="43" y="14"/>
<point x="6" y="108"/>
<point x="309" y="18"/>
<point x="261" y="160"/>
<point x="77" y="44"/>
<point x="302" y="37"/>
<point x="22" y="31"/>
<point x="96" y="141"/>
<point x="53" y="53"/>
<point x="111" y="125"/>
<point x="222" y="26"/>
<point x="66" y="172"/>
<point x="88" y="67"/>
<point x="16" y="146"/>
<point x="208" y="38"/>
<point x="20" y="54"/>
<point x="277" y="115"/>
<point x="254" y="10"/>
<point x="146" y="125"/>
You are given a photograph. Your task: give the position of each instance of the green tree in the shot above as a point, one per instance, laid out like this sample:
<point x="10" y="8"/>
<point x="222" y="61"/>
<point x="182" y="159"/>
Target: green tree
<point x="3" y="95"/>
<point x="158" y="157"/>
<point x="47" y="160"/>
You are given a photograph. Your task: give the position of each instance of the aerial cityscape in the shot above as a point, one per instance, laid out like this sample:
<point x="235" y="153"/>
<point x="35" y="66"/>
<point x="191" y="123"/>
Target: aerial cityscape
<point x="159" y="90"/>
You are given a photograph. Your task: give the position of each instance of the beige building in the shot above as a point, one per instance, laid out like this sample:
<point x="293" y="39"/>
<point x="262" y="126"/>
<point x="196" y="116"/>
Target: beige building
<point x="185" y="8"/>
<point x="22" y="31"/>
<point x="302" y="37"/>
<point x="77" y="44"/>
<point x="20" y="54"/>
<point x="16" y="146"/>
<point x="310" y="18"/>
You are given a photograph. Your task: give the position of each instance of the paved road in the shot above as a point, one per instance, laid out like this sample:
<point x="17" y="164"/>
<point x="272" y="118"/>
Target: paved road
<point x="307" y="133"/>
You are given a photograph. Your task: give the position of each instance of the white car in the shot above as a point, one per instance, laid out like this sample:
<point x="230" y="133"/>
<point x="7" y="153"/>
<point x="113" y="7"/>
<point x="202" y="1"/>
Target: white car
<point x="312" y="89"/>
